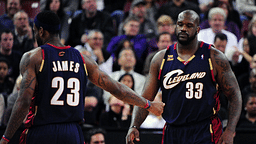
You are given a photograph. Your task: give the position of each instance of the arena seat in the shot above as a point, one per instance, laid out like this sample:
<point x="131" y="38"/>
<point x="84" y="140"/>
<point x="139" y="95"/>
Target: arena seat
<point x="2" y="7"/>
<point x="31" y="7"/>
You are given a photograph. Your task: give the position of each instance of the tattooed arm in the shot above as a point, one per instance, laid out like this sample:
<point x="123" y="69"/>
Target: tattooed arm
<point x="27" y="87"/>
<point x="150" y="90"/>
<point x="229" y="86"/>
<point x="117" y="89"/>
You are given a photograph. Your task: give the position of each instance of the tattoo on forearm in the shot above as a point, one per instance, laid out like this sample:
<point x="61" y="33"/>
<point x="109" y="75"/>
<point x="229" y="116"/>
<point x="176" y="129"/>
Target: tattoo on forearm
<point x="101" y="81"/>
<point x="140" y="115"/>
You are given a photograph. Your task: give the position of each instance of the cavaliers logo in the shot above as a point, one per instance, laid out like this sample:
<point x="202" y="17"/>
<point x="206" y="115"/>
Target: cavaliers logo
<point x="61" y="53"/>
<point x="174" y="77"/>
<point x="170" y="58"/>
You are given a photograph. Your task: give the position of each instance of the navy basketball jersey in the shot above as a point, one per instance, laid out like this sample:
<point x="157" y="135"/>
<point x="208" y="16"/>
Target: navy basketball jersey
<point x="189" y="88"/>
<point x="59" y="95"/>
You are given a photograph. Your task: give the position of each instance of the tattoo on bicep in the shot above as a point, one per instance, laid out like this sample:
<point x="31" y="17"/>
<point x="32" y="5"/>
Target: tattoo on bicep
<point x="226" y="78"/>
<point x="223" y="64"/>
<point x="24" y="64"/>
<point x="26" y="83"/>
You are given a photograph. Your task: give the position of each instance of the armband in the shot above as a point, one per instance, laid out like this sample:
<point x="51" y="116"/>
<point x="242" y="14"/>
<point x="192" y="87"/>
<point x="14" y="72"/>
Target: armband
<point x="147" y="106"/>
<point x="133" y="127"/>
<point x="5" y="138"/>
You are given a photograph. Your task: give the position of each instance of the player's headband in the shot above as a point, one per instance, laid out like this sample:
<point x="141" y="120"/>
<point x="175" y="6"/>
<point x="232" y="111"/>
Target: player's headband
<point x="50" y="28"/>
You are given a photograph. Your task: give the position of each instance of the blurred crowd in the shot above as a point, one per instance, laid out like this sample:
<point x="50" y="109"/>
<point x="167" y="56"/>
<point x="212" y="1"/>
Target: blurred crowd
<point x="122" y="37"/>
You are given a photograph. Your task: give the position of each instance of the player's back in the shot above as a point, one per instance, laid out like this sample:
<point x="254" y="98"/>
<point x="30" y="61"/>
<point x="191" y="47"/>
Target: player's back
<point x="59" y="94"/>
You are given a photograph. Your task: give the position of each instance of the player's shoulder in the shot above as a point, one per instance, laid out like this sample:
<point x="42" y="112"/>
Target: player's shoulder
<point x="160" y="54"/>
<point x="215" y="52"/>
<point x="158" y="58"/>
<point x="33" y="55"/>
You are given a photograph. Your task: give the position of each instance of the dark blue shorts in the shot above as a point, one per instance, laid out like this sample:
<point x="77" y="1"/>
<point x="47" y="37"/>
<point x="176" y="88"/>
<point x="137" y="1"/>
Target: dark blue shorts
<point x="68" y="133"/>
<point x="205" y="132"/>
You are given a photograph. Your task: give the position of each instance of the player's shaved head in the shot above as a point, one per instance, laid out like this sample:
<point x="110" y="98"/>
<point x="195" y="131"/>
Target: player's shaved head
<point x="190" y="14"/>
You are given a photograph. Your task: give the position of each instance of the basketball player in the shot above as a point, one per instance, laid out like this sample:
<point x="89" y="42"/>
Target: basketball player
<point x="53" y="89"/>
<point x="188" y="73"/>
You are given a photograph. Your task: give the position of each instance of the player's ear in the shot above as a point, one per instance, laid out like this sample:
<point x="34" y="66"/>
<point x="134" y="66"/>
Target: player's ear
<point x="198" y="29"/>
<point x="41" y="31"/>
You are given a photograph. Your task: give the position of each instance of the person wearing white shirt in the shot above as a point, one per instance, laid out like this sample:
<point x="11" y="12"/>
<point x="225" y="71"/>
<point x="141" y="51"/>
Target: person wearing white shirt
<point x="127" y="61"/>
<point x="246" y="7"/>
<point x="94" y="48"/>
<point x="217" y="18"/>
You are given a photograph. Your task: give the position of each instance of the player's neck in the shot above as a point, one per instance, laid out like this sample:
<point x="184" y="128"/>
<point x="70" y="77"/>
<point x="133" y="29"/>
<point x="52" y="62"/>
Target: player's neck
<point x="185" y="52"/>
<point x="54" y="41"/>
<point x="188" y="49"/>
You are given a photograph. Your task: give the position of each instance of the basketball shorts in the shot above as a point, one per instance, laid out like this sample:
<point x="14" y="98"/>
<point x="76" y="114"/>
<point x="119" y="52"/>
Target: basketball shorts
<point x="205" y="132"/>
<point x="66" y="133"/>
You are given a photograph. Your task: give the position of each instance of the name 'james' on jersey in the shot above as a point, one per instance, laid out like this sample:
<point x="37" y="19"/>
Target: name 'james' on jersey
<point x="59" y="95"/>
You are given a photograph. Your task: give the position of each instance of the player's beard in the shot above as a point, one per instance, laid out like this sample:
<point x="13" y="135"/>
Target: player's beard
<point x="187" y="42"/>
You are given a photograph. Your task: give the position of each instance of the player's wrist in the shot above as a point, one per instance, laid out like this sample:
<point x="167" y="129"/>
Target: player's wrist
<point x="148" y="105"/>
<point x="133" y="127"/>
<point x="6" y="138"/>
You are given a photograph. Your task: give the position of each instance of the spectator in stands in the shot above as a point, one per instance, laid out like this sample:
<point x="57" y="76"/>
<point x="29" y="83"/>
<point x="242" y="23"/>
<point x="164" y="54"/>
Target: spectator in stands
<point x="151" y="9"/>
<point x="164" y="24"/>
<point x="88" y="20"/>
<point x="57" y="7"/>
<point x="232" y="23"/>
<point x="243" y="80"/>
<point x="113" y="5"/>
<point x="127" y="61"/>
<point x="246" y="7"/>
<point x="131" y="28"/>
<point x="119" y="115"/>
<point x="125" y="43"/>
<point x="252" y="36"/>
<point x="163" y="41"/>
<point x="94" y="48"/>
<point x="6" y="85"/>
<point x="247" y="119"/>
<point x="244" y="66"/>
<point x="249" y="30"/>
<point x="93" y="105"/>
<point x="174" y="7"/>
<point x="220" y="41"/>
<point x="6" y="45"/>
<point x="95" y="136"/>
<point x="23" y="34"/>
<point x="115" y="8"/>
<point x="205" y="5"/>
<point x="6" y="20"/>
<point x="147" y="27"/>
<point x="217" y="18"/>
<point x="153" y="121"/>
<point x="251" y="88"/>
<point x="69" y="6"/>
